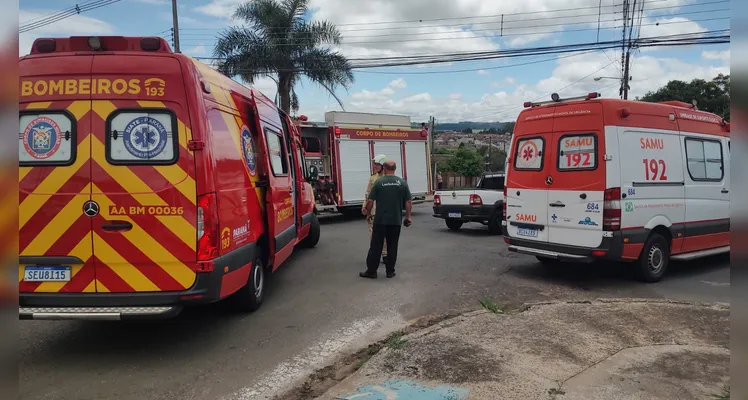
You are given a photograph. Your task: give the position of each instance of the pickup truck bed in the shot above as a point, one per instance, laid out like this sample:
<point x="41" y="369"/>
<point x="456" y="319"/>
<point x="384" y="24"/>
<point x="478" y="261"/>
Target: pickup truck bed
<point x="482" y="204"/>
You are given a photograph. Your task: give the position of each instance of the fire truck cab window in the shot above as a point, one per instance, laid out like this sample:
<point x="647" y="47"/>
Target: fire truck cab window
<point x="142" y="137"/>
<point x="277" y="153"/>
<point x="46" y="138"/>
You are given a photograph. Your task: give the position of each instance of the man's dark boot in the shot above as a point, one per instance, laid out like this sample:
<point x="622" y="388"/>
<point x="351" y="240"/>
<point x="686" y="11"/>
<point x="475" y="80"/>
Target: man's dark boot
<point x="391" y="274"/>
<point x="367" y="274"/>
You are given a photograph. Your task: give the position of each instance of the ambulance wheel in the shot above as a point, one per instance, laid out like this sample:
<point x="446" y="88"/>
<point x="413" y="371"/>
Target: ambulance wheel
<point x="314" y="232"/>
<point x="454" y="224"/>
<point x="249" y="298"/>
<point x="494" y="225"/>
<point x="654" y="259"/>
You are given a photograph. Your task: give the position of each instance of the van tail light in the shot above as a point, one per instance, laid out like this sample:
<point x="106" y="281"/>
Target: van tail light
<point x="437" y="200"/>
<point x="503" y="206"/>
<point x="208" y="236"/>
<point x="612" y="209"/>
<point x="475" y="200"/>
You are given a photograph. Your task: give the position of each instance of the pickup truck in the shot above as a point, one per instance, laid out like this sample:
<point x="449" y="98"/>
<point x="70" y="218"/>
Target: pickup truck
<point x="482" y="204"/>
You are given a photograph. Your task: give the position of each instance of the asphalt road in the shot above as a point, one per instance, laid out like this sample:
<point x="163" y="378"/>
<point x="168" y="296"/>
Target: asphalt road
<point x="317" y="307"/>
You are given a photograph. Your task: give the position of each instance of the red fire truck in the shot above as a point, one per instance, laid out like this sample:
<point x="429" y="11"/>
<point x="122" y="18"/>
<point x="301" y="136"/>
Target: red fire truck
<point x="341" y="150"/>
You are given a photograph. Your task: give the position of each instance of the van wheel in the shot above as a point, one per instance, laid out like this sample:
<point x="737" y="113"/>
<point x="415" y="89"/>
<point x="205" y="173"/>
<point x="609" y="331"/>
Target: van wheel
<point x="494" y="225"/>
<point x="249" y="298"/>
<point x="454" y="224"/>
<point x="314" y="232"/>
<point x="654" y="259"/>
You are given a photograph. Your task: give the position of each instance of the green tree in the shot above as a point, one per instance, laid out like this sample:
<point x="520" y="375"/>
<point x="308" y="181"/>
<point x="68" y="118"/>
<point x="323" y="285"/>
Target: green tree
<point x="508" y="128"/>
<point x="278" y="43"/>
<point x="711" y="96"/>
<point x="466" y="162"/>
<point x="496" y="158"/>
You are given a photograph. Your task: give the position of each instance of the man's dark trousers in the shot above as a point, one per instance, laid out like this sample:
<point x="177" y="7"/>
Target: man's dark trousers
<point x="379" y="233"/>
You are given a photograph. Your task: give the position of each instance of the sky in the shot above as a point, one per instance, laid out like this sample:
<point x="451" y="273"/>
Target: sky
<point x="488" y="90"/>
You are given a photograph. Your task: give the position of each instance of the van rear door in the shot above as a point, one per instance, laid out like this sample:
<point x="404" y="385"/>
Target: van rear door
<point x="526" y="183"/>
<point x="576" y="194"/>
<point x="54" y="178"/>
<point x="143" y="176"/>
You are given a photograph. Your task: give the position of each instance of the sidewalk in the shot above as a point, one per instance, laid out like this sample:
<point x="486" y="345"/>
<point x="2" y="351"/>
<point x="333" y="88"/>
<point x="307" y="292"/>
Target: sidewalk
<point x="607" y="349"/>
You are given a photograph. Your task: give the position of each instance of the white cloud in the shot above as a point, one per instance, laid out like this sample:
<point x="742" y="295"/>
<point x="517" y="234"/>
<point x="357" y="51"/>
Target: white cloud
<point x="386" y="93"/>
<point x="398" y="83"/>
<point x="71" y="26"/>
<point x="220" y="8"/>
<point x="669" y="27"/>
<point x="198" y="50"/>
<point x="482" y="72"/>
<point x="156" y="2"/>
<point x="716" y="55"/>
<point x="570" y="77"/>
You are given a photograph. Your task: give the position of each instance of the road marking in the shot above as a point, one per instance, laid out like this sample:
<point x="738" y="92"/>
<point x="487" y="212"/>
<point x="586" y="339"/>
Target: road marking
<point x="716" y="283"/>
<point x="304" y="363"/>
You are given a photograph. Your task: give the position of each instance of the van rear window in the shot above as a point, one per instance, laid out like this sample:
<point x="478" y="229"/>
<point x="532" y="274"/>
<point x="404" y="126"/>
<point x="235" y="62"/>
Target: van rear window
<point x="142" y="137"/>
<point x="577" y="152"/>
<point x="529" y="154"/>
<point x="46" y="138"/>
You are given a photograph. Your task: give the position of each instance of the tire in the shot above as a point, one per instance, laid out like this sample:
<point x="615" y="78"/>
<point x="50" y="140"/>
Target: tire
<point x="250" y="297"/>
<point x="654" y="259"/>
<point x="548" y="262"/>
<point x="494" y="225"/>
<point x="454" y="224"/>
<point x="314" y="232"/>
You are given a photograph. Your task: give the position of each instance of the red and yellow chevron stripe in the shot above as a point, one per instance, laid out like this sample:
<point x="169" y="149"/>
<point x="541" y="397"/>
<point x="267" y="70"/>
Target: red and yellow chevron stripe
<point x="157" y="254"/>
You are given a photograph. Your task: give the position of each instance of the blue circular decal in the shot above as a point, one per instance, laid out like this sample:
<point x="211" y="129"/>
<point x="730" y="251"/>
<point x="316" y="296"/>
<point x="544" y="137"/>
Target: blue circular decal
<point x="249" y="151"/>
<point x="41" y="138"/>
<point x="145" y="137"/>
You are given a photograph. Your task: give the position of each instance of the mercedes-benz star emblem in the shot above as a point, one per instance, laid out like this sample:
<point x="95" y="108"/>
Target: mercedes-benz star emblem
<point x="91" y="208"/>
<point x="549" y="180"/>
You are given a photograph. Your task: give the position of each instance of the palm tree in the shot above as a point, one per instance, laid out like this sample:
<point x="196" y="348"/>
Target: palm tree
<point x="278" y="43"/>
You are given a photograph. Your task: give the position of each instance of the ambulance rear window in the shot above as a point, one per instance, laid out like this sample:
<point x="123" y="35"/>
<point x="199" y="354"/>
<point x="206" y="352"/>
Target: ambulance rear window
<point x="577" y="152"/>
<point x="142" y="137"/>
<point x="46" y="138"/>
<point x="529" y="154"/>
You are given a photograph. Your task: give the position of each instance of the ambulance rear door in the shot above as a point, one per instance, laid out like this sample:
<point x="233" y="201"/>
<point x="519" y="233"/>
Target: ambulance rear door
<point x="54" y="147"/>
<point x="530" y="165"/>
<point x="143" y="176"/>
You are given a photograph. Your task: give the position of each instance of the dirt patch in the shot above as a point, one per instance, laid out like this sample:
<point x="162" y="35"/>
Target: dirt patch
<point x="325" y="378"/>
<point x="444" y="360"/>
<point x="699" y="367"/>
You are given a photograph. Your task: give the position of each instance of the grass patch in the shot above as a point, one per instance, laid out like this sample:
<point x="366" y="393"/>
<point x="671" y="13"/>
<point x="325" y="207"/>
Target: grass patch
<point x="725" y="394"/>
<point x="491" y="306"/>
<point x="395" y="341"/>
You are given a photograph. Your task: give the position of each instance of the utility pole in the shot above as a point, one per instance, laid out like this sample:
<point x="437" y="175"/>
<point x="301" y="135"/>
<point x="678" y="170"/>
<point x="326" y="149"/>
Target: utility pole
<point x="176" y="24"/>
<point x="626" y="59"/>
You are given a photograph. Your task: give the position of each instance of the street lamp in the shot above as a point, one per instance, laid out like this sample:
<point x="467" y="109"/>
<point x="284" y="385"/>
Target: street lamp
<point x="596" y="79"/>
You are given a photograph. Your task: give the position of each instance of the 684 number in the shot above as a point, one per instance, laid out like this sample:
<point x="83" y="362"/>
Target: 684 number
<point x="655" y="169"/>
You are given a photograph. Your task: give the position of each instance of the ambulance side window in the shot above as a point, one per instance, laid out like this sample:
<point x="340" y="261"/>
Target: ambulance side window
<point x="529" y="154"/>
<point x="46" y="138"/>
<point x="302" y="162"/>
<point x="277" y="153"/>
<point x="142" y="137"/>
<point x="704" y="158"/>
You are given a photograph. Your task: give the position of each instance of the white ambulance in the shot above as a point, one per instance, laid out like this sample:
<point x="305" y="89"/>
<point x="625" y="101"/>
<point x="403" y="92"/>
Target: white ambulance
<point x="606" y="179"/>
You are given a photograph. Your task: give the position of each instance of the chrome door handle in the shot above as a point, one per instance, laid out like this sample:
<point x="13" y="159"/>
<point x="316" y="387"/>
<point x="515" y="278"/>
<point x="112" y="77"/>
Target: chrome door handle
<point x="557" y="204"/>
<point x="725" y="191"/>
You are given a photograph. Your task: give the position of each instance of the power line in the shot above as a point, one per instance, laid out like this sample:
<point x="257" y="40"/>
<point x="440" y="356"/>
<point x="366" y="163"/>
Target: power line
<point x="479" y="69"/>
<point x="494" y="30"/>
<point x="78" y="9"/>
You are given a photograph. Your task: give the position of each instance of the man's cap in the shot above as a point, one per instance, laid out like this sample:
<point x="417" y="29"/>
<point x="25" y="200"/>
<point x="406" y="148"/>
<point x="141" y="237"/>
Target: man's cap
<point x="380" y="159"/>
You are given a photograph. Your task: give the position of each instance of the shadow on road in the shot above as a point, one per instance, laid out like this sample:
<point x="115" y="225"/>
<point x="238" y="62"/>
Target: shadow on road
<point x="609" y="274"/>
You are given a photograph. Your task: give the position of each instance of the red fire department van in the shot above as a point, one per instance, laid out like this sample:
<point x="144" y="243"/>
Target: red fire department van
<point x="149" y="182"/>
<point x="592" y="179"/>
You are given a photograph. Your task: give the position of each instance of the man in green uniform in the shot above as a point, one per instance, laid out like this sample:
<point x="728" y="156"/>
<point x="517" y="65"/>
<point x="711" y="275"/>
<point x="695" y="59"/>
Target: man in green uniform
<point x="390" y="192"/>
<point x="378" y="173"/>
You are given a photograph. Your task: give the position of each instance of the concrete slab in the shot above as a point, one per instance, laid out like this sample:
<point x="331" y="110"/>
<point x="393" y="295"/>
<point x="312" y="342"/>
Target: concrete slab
<point x="612" y="350"/>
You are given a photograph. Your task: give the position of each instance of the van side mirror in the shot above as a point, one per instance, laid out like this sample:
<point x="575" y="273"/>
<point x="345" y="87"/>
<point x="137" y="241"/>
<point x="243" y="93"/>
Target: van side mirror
<point x="313" y="173"/>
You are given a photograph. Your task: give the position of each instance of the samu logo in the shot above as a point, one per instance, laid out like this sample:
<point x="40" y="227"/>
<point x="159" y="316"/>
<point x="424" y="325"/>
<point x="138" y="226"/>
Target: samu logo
<point x="225" y="238"/>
